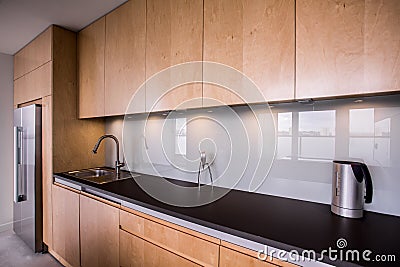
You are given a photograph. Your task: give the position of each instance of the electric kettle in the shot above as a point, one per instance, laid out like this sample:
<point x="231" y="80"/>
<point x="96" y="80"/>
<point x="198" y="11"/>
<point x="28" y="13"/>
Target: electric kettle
<point x="351" y="187"/>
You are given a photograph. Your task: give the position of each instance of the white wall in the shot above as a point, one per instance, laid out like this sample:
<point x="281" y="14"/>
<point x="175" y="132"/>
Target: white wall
<point x="6" y="141"/>
<point x="308" y="138"/>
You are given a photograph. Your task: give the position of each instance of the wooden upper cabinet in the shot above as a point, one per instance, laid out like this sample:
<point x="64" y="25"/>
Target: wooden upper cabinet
<point x="33" y="69"/>
<point x="99" y="232"/>
<point x="66" y="225"/>
<point x="382" y="45"/>
<point x="174" y="35"/>
<point x="34" y="85"/>
<point x="125" y="58"/>
<point x="35" y="54"/>
<point x="91" y="43"/>
<point x="256" y="38"/>
<point x="347" y="47"/>
<point x="329" y="47"/>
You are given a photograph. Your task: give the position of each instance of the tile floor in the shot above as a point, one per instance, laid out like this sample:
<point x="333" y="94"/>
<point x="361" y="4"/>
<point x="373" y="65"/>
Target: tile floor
<point x="15" y="253"/>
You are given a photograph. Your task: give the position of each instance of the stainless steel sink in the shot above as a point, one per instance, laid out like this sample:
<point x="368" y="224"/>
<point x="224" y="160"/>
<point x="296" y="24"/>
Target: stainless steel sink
<point x="100" y="175"/>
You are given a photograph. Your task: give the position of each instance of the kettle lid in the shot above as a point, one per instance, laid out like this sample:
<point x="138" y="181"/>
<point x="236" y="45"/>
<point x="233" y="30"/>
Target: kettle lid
<point x="346" y="162"/>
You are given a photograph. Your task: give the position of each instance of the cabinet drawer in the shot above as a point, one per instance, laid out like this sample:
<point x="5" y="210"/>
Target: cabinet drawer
<point x="233" y="258"/>
<point x="192" y="245"/>
<point x="135" y="251"/>
<point x="33" y="85"/>
<point x="233" y="255"/>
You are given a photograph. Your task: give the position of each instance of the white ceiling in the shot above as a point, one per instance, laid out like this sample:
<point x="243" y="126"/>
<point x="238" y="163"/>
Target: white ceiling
<point x="22" y="20"/>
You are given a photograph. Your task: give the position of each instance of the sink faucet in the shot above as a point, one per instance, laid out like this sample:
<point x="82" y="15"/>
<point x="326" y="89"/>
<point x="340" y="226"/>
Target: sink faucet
<point x="118" y="164"/>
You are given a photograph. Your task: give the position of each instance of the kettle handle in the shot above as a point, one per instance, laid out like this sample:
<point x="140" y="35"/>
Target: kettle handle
<point x="368" y="183"/>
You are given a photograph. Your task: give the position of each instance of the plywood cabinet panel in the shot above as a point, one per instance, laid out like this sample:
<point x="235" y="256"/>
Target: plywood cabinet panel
<point x="329" y="48"/>
<point x="125" y="58"/>
<point x="135" y="251"/>
<point x="99" y="233"/>
<point x="256" y="38"/>
<point x="382" y="45"/>
<point x="91" y="45"/>
<point x="73" y="139"/>
<point x="174" y="36"/>
<point x="35" y="54"/>
<point x="66" y="225"/>
<point x="34" y="85"/>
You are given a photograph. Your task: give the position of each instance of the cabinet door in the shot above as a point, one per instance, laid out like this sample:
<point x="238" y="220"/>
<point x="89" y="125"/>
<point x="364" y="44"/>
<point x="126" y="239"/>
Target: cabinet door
<point x="256" y="38"/>
<point x="232" y="258"/>
<point x="382" y="45"/>
<point x="34" y="85"/>
<point x="233" y="255"/>
<point x="125" y="58"/>
<point x="99" y="231"/>
<point x="329" y="48"/>
<point x="35" y="54"/>
<point x="174" y="35"/>
<point x="136" y="252"/>
<point x="66" y="225"/>
<point x="91" y="41"/>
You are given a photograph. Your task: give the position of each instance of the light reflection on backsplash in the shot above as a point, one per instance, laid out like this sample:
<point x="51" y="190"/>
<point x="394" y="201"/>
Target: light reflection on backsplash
<point x="308" y="138"/>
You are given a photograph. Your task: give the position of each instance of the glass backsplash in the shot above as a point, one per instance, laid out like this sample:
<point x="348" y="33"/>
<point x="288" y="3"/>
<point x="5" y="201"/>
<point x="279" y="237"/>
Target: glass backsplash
<point x="284" y="149"/>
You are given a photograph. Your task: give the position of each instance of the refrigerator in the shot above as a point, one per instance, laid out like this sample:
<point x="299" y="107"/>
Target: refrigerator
<point x="27" y="206"/>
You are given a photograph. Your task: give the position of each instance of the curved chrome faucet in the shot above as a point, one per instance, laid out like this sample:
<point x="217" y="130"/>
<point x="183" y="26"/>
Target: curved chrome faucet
<point x="118" y="164"/>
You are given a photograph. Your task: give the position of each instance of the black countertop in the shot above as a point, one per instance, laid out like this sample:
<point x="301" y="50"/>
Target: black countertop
<point x="274" y="221"/>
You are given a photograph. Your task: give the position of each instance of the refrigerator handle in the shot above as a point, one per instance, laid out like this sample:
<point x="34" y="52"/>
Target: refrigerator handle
<point x="19" y="185"/>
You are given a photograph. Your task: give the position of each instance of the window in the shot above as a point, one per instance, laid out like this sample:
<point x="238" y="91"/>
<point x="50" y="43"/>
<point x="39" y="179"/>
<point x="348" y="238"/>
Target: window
<point x="284" y="146"/>
<point x="317" y="134"/>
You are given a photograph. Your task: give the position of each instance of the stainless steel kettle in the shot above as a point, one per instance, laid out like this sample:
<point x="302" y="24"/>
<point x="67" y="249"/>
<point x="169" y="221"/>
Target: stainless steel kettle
<point x="351" y="187"/>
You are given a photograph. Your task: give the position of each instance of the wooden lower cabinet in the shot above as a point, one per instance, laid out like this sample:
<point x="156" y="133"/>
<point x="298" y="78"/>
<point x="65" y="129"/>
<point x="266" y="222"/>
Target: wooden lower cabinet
<point x="188" y="246"/>
<point x="99" y="232"/>
<point x="233" y="255"/>
<point x="66" y="226"/>
<point x="230" y="258"/>
<point x="89" y="231"/>
<point x="135" y="251"/>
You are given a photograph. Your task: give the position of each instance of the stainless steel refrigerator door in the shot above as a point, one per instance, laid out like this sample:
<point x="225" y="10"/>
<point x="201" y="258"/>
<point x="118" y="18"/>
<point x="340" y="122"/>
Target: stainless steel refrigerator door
<point x="28" y="176"/>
